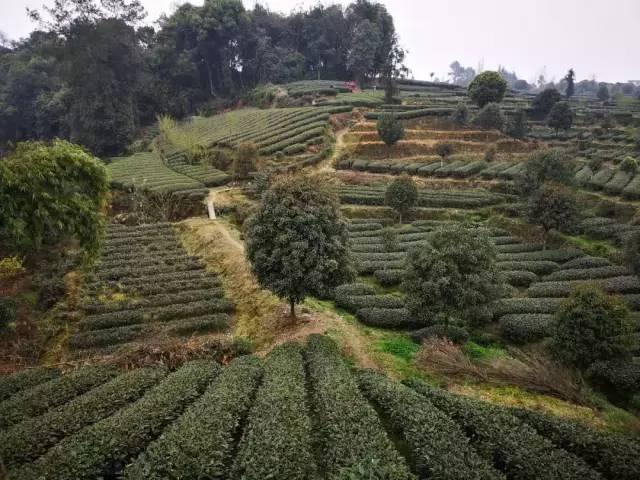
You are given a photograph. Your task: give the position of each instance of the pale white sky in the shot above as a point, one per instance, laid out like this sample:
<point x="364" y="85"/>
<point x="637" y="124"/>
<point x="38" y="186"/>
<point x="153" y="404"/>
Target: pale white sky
<point x="594" y="37"/>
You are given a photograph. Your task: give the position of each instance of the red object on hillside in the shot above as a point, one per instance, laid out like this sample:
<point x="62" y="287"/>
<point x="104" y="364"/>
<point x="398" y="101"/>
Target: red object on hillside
<point x="353" y="86"/>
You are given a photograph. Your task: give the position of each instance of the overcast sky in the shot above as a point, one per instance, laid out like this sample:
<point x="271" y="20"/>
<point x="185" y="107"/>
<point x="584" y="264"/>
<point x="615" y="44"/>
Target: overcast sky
<point x="597" y="38"/>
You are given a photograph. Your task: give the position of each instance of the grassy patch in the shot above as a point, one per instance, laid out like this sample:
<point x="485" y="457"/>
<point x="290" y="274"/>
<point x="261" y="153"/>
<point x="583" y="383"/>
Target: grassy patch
<point x="480" y="352"/>
<point x="596" y="248"/>
<point x="399" y="346"/>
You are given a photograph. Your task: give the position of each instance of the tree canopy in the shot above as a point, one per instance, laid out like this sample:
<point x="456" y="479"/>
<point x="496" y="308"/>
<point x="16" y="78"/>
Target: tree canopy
<point x="553" y="209"/>
<point x="542" y="166"/>
<point x="560" y="117"/>
<point x="453" y="277"/>
<point x="92" y="74"/>
<point x="402" y="195"/>
<point x="545" y="100"/>
<point x="49" y="192"/>
<point x="297" y="241"/>
<point x="488" y="87"/>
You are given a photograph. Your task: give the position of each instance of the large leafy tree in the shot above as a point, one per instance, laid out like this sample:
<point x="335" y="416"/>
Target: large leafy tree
<point x="49" y="192"/>
<point x="453" y="277"/>
<point x="591" y="326"/>
<point x="544" y="101"/>
<point x="488" y="87"/>
<point x="390" y="130"/>
<point x="552" y="208"/>
<point x="297" y="241"/>
<point x="402" y="195"/>
<point x="560" y="117"/>
<point x="542" y="166"/>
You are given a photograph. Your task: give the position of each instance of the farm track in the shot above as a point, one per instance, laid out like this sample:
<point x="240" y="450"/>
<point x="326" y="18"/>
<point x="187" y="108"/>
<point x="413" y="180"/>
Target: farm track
<point x="259" y="314"/>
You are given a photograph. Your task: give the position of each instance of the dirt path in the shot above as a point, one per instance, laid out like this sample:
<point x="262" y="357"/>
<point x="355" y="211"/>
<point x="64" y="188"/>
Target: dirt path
<point x="327" y="164"/>
<point x="260" y="315"/>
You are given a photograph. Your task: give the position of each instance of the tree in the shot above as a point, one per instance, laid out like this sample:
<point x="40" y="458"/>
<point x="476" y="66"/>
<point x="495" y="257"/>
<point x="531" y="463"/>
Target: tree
<point x="390" y="130"/>
<point x="297" y="241"/>
<point x="552" y="209"/>
<point x="560" y="117"/>
<point x="629" y="165"/>
<point x="591" y="326"/>
<point x="401" y="195"/>
<point x="490" y="117"/>
<point x="570" y="78"/>
<point x="460" y="116"/>
<point x="49" y="192"/>
<point x="603" y="93"/>
<point x="362" y="55"/>
<point x="245" y="160"/>
<point x="488" y="87"/>
<point x="452" y="277"/>
<point x="544" y="102"/>
<point x="542" y="166"/>
<point x="632" y="252"/>
<point x="443" y="149"/>
<point x="460" y="75"/>
<point x="517" y="126"/>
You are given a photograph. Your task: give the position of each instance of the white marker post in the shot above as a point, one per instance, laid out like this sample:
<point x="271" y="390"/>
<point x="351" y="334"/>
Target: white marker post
<point x="212" y="210"/>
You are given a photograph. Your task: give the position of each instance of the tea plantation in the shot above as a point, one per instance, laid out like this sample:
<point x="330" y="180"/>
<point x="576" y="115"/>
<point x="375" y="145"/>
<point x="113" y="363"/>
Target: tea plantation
<point x="145" y="285"/>
<point x="301" y="413"/>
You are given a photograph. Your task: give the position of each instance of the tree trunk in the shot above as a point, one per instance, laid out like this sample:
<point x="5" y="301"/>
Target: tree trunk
<point x="292" y="303"/>
<point x="400" y="217"/>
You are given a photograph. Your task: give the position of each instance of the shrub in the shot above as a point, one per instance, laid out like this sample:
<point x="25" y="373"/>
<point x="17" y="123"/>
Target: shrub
<point x="632" y="252"/>
<point x="536" y="267"/>
<point x="389" y="278"/>
<point x="30" y="439"/>
<point x="490" y="117"/>
<point x="37" y="400"/>
<point x="460" y="116"/>
<point x="557" y="255"/>
<point x="457" y="335"/>
<point x="104" y="448"/>
<point x="10" y="267"/>
<point x="590" y="327"/>
<point x="350" y="431"/>
<point x="454" y="276"/>
<point x="550" y="165"/>
<point x="619" y="378"/>
<point x="443" y="149"/>
<point x="586" y="262"/>
<point x="618" y="182"/>
<point x="629" y="165"/>
<point x="390" y="129"/>
<point x="277" y="440"/>
<point x="615" y="456"/>
<point x="517" y="126"/>
<point x="526" y="328"/>
<point x="488" y="87"/>
<point x="526" y="305"/>
<point x="552" y="209"/>
<point x="199" y="444"/>
<point x="25" y="379"/>
<point x="295" y="148"/>
<point x="612" y="285"/>
<point x="442" y="453"/>
<point x="560" y="117"/>
<point x="545" y="100"/>
<point x="490" y="154"/>
<point x="401" y="195"/>
<point x="496" y="434"/>
<point x="588" y="273"/>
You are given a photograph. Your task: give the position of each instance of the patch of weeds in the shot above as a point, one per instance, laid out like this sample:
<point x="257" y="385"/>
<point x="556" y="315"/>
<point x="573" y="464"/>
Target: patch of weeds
<point x="399" y="346"/>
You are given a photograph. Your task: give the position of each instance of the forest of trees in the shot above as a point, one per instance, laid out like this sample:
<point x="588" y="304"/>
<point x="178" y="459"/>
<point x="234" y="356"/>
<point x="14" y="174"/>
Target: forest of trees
<point x="93" y="73"/>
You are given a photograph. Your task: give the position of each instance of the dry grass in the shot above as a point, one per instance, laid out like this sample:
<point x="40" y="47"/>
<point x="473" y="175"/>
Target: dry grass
<point x="258" y="311"/>
<point x="533" y="373"/>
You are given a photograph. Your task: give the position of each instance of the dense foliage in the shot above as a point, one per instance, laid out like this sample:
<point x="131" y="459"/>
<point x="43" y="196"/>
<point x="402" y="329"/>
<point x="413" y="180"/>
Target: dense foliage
<point x="453" y="277"/>
<point x="297" y="240"/>
<point x="390" y="129"/>
<point x="591" y="326"/>
<point x="560" y="117"/>
<point x="490" y="117"/>
<point x="488" y="87"/>
<point x="49" y="192"/>
<point x="553" y="209"/>
<point x="545" y="100"/>
<point x="91" y="73"/>
<point x="401" y="195"/>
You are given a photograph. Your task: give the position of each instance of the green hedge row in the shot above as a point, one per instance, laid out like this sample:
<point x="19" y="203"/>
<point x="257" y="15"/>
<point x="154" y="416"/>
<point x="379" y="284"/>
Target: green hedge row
<point x="133" y="271"/>
<point x="540" y="267"/>
<point x="600" y="179"/>
<point x="37" y="400"/>
<point x="352" y="438"/>
<point x="614" y="285"/>
<point x="24" y="379"/>
<point x="356" y="302"/>
<point x="559" y="255"/>
<point x="142" y="284"/>
<point x="618" y="182"/>
<point x="442" y="452"/>
<point x="615" y="456"/>
<point x="389" y="278"/>
<point x="526" y="328"/>
<point x="457" y="335"/>
<point x="158" y="300"/>
<point x="620" y="378"/>
<point x="303" y="137"/>
<point x="159" y="314"/>
<point x="586" y="262"/>
<point x="145" y="260"/>
<point x="30" y="439"/>
<point x="277" y="439"/>
<point x="412" y="114"/>
<point x="588" y="273"/>
<point x="502" y="439"/>
<point x="200" y="443"/>
<point x="519" y="278"/>
<point x="526" y="305"/>
<point x="394" y="318"/>
<point x="104" y="448"/>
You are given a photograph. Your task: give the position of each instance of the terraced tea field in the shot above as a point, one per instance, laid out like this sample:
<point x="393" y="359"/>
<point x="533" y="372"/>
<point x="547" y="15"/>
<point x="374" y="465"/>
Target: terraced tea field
<point x="302" y="413"/>
<point x="540" y="279"/>
<point x="145" y="285"/>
